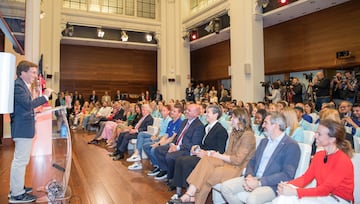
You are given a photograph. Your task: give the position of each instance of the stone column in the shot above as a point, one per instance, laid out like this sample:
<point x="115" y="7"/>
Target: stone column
<point x="32" y="30"/>
<point x="247" y="51"/>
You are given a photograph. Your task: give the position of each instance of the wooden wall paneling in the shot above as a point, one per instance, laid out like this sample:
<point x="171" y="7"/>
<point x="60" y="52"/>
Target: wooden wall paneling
<point x="311" y="41"/>
<point x="211" y="63"/>
<point x="85" y="68"/>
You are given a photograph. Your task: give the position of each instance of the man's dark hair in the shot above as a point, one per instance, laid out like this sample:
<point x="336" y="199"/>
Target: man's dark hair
<point x="24" y="66"/>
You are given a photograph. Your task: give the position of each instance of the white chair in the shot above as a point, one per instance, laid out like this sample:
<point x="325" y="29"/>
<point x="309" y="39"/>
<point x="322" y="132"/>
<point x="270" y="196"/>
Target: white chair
<point x="309" y="137"/>
<point x="356" y="163"/>
<point x="302" y="166"/>
<point x="357" y="144"/>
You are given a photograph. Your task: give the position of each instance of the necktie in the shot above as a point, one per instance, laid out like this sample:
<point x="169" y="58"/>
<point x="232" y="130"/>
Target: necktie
<point x="179" y="139"/>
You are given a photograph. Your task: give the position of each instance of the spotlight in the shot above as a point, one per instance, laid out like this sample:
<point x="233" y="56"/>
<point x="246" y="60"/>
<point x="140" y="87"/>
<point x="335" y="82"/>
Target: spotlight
<point x="68" y="31"/>
<point x="263" y="3"/>
<point x="283" y="1"/>
<point x="210" y="27"/>
<point x="186" y="36"/>
<point x="100" y="33"/>
<point x="217" y="25"/>
<point x="194" y="35"/>
<point x="148" y="37"/>
<point x="124" y="36"/>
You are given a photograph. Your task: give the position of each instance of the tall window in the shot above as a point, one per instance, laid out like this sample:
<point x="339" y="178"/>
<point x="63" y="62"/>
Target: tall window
<point x="146" y="8"/>
<point x="139" y="8"/>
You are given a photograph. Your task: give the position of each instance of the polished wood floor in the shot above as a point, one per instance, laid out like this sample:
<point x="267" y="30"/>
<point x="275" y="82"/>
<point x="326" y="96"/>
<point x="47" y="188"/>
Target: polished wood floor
<point x="94" y="178"/>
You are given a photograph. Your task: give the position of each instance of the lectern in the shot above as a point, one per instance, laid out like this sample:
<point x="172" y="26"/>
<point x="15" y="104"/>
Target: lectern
<point x="51" y="156"/>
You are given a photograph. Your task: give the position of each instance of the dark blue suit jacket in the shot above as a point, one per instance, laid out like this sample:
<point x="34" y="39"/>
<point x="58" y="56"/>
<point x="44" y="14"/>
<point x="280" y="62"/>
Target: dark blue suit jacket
<point x="282" y="164"/>
<point x="23" y="117"/>
<point x="193" y="135"/>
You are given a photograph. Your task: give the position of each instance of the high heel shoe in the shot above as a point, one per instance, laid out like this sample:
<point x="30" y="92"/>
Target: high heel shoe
<point x="190" y="200"/>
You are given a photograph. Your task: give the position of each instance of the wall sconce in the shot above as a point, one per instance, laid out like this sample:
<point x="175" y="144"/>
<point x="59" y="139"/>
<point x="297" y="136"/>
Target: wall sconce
<point x="148" y="37"/>
<point x="100" y="33"/>
<point x="124" y="36"/>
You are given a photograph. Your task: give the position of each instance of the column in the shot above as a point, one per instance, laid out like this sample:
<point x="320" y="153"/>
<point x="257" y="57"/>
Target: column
<point x="50" y="36"/>
<point x="173" y="53"/>
<point x="247" y="51"/>
<point x="32" y="30"/>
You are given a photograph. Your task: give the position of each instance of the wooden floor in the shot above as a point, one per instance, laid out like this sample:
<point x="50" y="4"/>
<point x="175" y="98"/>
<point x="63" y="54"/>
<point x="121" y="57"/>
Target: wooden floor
<point x="95" y="178"/>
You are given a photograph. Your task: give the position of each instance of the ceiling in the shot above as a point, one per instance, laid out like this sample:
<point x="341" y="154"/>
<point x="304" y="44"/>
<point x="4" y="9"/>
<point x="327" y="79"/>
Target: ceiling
<point x="279" y="15"/>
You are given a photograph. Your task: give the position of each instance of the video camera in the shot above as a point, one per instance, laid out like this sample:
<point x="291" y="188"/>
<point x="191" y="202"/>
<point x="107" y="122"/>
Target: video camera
<point x="308" y="77"/>
<point x="265" y="83"/>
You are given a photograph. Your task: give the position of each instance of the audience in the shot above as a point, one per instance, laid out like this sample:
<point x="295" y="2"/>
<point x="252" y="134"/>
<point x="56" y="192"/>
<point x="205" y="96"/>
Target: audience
<point x="215" y="167"/>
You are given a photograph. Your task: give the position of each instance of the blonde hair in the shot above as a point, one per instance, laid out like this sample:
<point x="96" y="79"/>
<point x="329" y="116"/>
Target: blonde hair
<point x="329" y="113"/>
<point x="291" y="119"/>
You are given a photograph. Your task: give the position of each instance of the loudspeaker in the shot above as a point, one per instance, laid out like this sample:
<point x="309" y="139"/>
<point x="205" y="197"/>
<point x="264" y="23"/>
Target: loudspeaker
<point x="247" y="68"/>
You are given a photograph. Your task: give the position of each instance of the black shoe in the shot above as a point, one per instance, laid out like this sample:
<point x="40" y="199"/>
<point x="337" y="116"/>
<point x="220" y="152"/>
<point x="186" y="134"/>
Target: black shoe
<point x="114" y="154"/>
<point x="118" y="157"/>
<point x="154" y="172"/>
<point x="162" y="175"/>
<point x="27" y="190"/>
<point x="172" y="188"/>
<point x="169" y="182"/>
<point x="93" y="142"/>
<point x="23" y="198"/>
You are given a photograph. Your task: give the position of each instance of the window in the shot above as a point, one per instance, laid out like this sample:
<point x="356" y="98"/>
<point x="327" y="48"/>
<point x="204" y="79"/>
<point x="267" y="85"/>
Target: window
<point x="146" y="8"/>
<point x="75" y="4"/>
<point x="112" y="6"/>
<point x="129" y="7"/>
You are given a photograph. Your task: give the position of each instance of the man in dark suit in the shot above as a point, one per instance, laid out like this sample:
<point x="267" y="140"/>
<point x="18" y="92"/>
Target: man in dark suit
<point x="215" y="139"/>
<point x="276" y="159"/>
<point x="23" y="129"/>
<point x="190" y="133"/>
<point x="93" y="97"/>
<point x="125" y="137"/>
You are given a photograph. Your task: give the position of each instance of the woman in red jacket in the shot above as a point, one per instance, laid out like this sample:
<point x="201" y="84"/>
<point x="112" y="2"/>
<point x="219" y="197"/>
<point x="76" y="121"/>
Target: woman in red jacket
<point x="331" y="168"/>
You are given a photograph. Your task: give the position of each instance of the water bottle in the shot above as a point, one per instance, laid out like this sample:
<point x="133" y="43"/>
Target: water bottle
<point x="63" y="130"/>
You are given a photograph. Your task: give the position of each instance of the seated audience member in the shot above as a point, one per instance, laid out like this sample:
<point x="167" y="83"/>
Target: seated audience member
<point x="202" y="115"/>
<point x="293" y="128"/>
<point x="276" y="159"/>
<point x="106" y="98"/>
<point x="345" y="112"/>
<point x="125" y="137"/>
<point x="155" y="110"/>
<point x="145" y="137"/>
<point x="215" y="139"/>
<point x="302" y="122"/>
<point x="309" y="112"/>
<point x="172" y="129"/>
<point x="258" y="121"/>
<point x="75" y="115"/>
<point x="190" y="133"/>
<point x="85" y="110"/>
<point x="133" y="115"/>
<point x="352" y="124"/>
<point x="215" y="167"/>
<point x="91" y="116"/>
<point x="118" y="115"/>
<point x="331" y="168"/>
